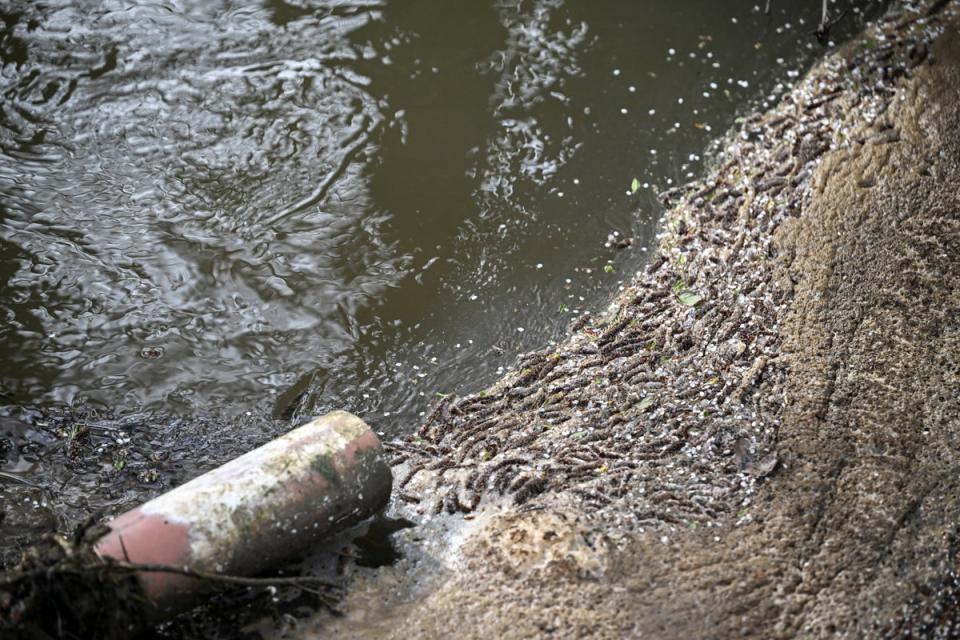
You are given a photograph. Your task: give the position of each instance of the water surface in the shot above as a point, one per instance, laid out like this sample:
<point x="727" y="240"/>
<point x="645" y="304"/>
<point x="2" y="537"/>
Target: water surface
<point x="282" y="208"/>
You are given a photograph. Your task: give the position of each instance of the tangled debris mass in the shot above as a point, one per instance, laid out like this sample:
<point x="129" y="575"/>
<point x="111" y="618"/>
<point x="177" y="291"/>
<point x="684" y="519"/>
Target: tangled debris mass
<point x="62" y="589"/>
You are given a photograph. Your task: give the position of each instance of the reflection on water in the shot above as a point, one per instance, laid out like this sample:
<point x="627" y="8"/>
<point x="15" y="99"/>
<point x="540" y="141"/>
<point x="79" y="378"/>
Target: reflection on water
<point x="288" y="207"/>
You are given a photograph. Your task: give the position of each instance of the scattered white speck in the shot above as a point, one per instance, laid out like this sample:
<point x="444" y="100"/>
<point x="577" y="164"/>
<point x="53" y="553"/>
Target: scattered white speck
<point x="473" y="297"/>
<point x="671" y="52"/>
<point x="520" y="329"/>
<point x="651" y="112"/>
<point x="632" y="89"/>
<point x="623" y="110"/>
<point x="539" y="265"/>
<point x="616" y="72"/>
<point x="679" y="100"/>
<point x="576" y="181"/>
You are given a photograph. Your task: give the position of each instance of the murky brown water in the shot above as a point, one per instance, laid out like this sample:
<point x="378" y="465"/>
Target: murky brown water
<point x="283" y="208"/>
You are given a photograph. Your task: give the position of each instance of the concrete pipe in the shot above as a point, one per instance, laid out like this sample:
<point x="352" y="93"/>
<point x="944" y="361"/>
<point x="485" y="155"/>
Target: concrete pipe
<point x="255" y="511"/>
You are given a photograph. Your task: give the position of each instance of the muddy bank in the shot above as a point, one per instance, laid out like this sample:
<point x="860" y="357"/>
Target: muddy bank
<point x="760" y="437"/>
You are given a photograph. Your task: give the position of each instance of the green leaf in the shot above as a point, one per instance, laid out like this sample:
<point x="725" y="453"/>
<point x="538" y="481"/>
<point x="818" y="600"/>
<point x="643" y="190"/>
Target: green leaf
<point x="608" y="268"/>
<point x="634" y="185"/>
<point x="647" y="402"/>
<point x="689" y="298"/>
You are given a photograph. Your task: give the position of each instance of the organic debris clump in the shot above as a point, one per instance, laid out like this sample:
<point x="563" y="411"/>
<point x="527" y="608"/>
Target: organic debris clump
<point x="62" y="589"/>
<point x="666" y="409"/>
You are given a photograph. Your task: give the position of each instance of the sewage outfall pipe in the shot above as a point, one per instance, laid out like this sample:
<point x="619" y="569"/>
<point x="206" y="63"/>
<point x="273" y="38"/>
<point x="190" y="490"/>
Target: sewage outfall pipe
<point x="255" y="511"/>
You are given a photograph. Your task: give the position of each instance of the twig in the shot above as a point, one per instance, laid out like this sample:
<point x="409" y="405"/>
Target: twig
<point x="293" y="581"/>
<point x="823" y="29"/>
<point x="130" y="567"/>
<point x="12" y="477"/>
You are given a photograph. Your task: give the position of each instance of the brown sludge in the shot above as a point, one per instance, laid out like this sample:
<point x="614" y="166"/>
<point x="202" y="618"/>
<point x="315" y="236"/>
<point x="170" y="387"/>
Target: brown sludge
<point x="762" y="435"/>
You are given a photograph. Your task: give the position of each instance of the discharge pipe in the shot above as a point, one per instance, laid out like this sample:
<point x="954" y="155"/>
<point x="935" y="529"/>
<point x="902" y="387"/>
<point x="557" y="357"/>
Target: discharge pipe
<point x="257" y="510"/>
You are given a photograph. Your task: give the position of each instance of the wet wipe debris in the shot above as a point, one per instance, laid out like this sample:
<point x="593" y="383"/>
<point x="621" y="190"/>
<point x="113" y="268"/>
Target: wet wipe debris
<point x="665" y="409"/>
